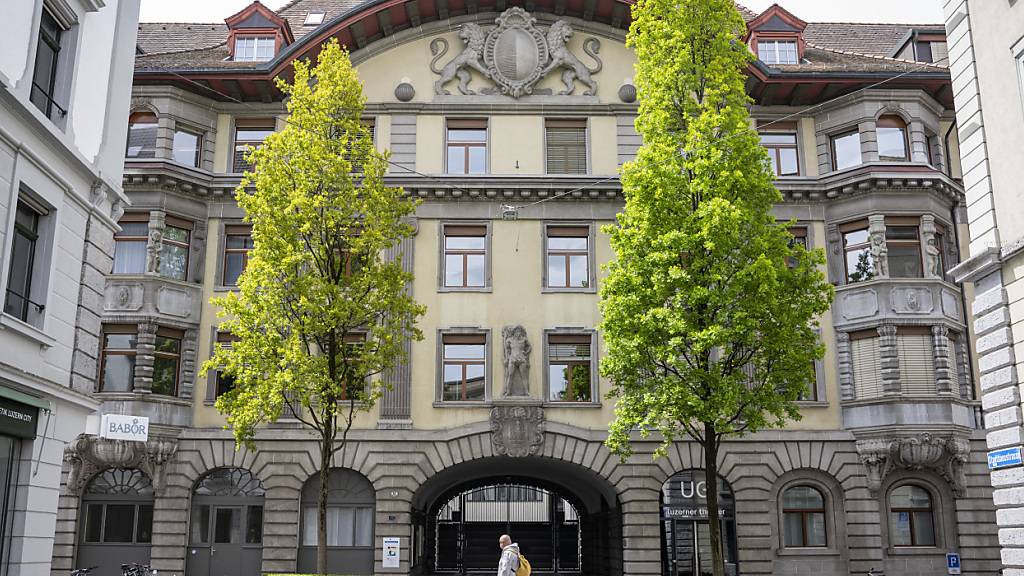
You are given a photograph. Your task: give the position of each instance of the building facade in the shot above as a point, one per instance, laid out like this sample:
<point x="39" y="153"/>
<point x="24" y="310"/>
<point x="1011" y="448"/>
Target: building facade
<point x="510" y="122"/>
<point x="65" y="87"/>
<point x="986" y="54"/>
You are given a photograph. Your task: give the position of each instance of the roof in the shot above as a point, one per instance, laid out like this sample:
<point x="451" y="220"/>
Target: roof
<point x="836" y="47"/>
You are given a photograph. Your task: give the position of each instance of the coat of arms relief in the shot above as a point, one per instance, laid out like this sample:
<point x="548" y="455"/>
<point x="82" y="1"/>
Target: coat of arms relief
<point x="515" y="55"/>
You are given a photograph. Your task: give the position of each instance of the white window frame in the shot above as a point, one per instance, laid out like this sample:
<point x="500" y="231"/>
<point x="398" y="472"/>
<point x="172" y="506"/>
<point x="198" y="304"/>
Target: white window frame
<point x="257" y="43"/>
<point x="773" y="46"/>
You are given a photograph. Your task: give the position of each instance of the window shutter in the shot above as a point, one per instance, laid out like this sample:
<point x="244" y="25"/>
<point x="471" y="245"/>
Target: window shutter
<point x="917" y="365"/>
<point x="566" y="146"/>
<point x="867" y="379"/>
<point x="568" y="347"/>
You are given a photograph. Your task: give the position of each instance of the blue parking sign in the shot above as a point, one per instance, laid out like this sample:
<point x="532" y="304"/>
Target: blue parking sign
<point x="952" y="563"/>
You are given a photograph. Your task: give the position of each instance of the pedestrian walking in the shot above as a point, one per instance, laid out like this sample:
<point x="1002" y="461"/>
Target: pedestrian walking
<point x="510" y="559"/>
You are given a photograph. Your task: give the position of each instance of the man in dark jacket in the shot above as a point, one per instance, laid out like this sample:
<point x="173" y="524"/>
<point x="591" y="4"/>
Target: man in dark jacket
<point x="509" y="562"/>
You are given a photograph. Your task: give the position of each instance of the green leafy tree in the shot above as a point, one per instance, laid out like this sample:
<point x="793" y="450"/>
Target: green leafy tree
<point x="709" y="309"/>
<point x="320" y="311"/>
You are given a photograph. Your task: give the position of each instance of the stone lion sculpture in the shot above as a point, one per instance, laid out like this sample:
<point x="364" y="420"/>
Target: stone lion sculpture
<point x="471" y="56"/>
<point x="561" y="57"/>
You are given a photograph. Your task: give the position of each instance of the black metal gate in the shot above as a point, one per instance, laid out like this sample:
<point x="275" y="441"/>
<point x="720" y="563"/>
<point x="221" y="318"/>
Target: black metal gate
<point x="545" y="525"/>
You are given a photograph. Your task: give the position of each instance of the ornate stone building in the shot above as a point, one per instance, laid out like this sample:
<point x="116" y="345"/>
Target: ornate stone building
<point x="510" y="122"/>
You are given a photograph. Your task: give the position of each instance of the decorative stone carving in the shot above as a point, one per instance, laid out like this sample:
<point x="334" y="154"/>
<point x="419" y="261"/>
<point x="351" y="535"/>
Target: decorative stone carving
<point x="879" y="251"/>
<point x="859" y="303"/>
<point x="951" y="304"/>
<point x="944" y="455"/>
<point x="911" y="300"/>
<point x="155" y="243"/>
<point x="123" y="297"/>
<point x="515" y="55"/>
<point x="88" y="455"/>
<point x="627" y="93"/>
<point x="517" y="361"/>
<point x="173" y="301"/>
<point x="517" y="431"/>
<point x="404" y="92"/>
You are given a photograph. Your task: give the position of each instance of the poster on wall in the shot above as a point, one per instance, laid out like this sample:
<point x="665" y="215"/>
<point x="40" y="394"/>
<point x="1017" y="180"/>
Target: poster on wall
<point x="391" y="547"/>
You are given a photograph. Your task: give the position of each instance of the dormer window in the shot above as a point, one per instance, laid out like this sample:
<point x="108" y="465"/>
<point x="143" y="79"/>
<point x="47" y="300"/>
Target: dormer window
<point x="314" y="19"/>
<point x="777" y="51"/>
<point x="254" y="48"/>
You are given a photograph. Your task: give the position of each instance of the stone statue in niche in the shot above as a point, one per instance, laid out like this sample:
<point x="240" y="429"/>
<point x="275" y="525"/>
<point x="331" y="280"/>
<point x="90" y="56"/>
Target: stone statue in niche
<point x="517" y="361"/>
<point x="879" y="256"/>
<point x="156" y="238"/>
<point x="933" y="258"/>
<point x="515" y="55"/>
<point x="471" y="56"/>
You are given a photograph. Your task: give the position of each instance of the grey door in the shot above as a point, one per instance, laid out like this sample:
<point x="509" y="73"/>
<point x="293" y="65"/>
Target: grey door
<point x="226" y="539"/>
<point x="115" y="521"/>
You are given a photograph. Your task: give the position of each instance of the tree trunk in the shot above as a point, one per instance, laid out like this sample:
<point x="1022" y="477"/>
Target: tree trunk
<point x="711" y="484"/>
<point x="321" y="507"/>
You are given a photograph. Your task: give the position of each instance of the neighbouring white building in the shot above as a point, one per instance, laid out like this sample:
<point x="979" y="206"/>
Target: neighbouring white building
<point x="65" y="88"/>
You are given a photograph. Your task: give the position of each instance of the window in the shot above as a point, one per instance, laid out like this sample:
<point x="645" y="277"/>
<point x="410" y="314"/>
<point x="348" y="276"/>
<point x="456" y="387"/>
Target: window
<point x="44" y="76"/>
<point x="465" y="256"/>
<point x="187" y="147"/>
<point x="467" y="147"/>
<point x="237" y="244"/>
<point x="803" y="518"/>
<point x="142" y="127"/>
<point x="911" y="519"/>
<point x="117" y="361"/>
<point x="858" y="258"/>
<point x="570" y="374"/>
<point x="314" y="18"/>
<point x="777" y="51"/>
<point x="891" y="132"/>
<point x="799" y="238"/>
<point x="846" y="150"/>
<point x="166" y="361"/>
<point x="568" y="256"/>
<point x="811" y="393"/>
<point x="782" y="152"/>
<point x="347" y="526"/>
<point x="119" y="523"/>
<point x="130" y="244"/>
<point x="18" y="300"/>
<point x="916" y="360"/>
<point x="254" y="48"/>
<point x="174" y="249"/>
<point x="249" y="133"/>
<point x="939" y="242"/>
<point x="903" y="246"/>
<point x="566" y="144"/>
<point x="464" y="366"/>
<point x="223" y="382"/>
<point x="865" y="357"/>
<point x="370" y="124"/>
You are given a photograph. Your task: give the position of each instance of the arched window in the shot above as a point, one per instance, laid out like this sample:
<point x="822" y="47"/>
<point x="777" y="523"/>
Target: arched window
<point x="891" y="132"/>
<point x="803" y="517"/>
<point x="119" y="508"/>
<point x="141" y="135"/>
<point x="351" y="504"/>
<point x="911" y="517"/>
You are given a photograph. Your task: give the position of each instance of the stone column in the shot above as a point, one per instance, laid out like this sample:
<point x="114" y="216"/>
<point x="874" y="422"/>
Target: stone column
<point x="943" y="359"/>
<point x="918" y="142"/>
<point x="393" y="519"/>
<point x="834" y="262"/>
<point x="879" y="251"/>
<point x="641" y="532"/>
<point x="868" y="142"/>
<point x="170" y="530"/>
<point x="156" y="239"/>
<point x="930" y="248"/>
<point x="845" y="358"/>
<point x="144" y="348"/>
<point x="281" y="521"/>
<point x="189" y="344"/>
<point x="889" y="362"/>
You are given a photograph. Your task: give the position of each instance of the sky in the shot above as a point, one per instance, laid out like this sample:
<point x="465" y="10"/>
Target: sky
<point x="907" y="11"/>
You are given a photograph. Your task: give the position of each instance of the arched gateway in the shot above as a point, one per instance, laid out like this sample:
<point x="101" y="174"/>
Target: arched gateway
<point x="566" y="518"/>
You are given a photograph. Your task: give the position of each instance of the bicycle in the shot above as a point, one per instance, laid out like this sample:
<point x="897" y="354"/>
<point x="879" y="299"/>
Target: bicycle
<point x="83" y="571"/>
<point x="136" y="569"/>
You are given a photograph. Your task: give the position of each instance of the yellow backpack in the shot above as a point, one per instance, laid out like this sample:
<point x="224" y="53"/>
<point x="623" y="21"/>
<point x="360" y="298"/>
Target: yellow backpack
<point x="524" y="566"/>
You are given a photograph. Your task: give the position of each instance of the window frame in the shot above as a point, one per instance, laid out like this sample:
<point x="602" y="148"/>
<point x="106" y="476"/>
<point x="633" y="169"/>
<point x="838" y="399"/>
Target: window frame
<point x="136" y="502"/>
<point x="105" y="351"/>
<point x="590" y="235"/>
<point x="568" y="123"/>
<point x="783" y="129"/>
<point x="850" y="227"/>
<point x="460" y="334"/>
<point x="179" y="336"/>
<point x="442" y="251"/>
<point x="468" y="124"/>
<point x="256" y="123"/>
<point x="33" y="236"/>
<point x="133" y="218"/>
<point x="257" y="40"/>
<point x="181" y="224"/>
<point x="893" y="122"/>
<point x="774" y="43"/>
<point x="55" y="44"/>
<point x="804" y="512"/>
<point x="593" y="362"/>
<point x="135" y="119"/>
<point x="200" y="137"/>
<point x="233" y="229"/>
<point x="905" y="222"/>
<point x="937" y="540"/>
<point x="832" y="147"/>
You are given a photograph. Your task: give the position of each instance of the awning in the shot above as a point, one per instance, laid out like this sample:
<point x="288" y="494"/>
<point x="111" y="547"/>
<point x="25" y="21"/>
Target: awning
<point x="34" y="401"/>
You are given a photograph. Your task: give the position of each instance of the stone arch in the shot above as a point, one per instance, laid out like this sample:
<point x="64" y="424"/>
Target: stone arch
<point x="351" y="502"/>
<point x="944" y="507"/>
<point x="835" y="507"/>
<point x="116" y="508"/>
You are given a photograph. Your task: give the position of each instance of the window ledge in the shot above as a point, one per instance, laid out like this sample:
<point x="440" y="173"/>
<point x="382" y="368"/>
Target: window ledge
<point x="915" y="550"/>
<point x="144" y="397"/>
<point x="8" y="322"/>
<point x="812" y="403"/>
<point x="587" y="290"/>
<point x="481" y="289"/>
<point x="466" y="404"/>
<point x="562" y="404"/>
<point x="225" y="288"/>
<point x="808" y="551"/>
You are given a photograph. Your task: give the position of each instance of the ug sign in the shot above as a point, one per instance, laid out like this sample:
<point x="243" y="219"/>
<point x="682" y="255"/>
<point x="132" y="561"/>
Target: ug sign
<point x="515" y="55"/>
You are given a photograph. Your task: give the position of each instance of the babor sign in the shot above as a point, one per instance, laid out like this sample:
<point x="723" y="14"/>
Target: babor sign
<point x="122" y="427"/>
